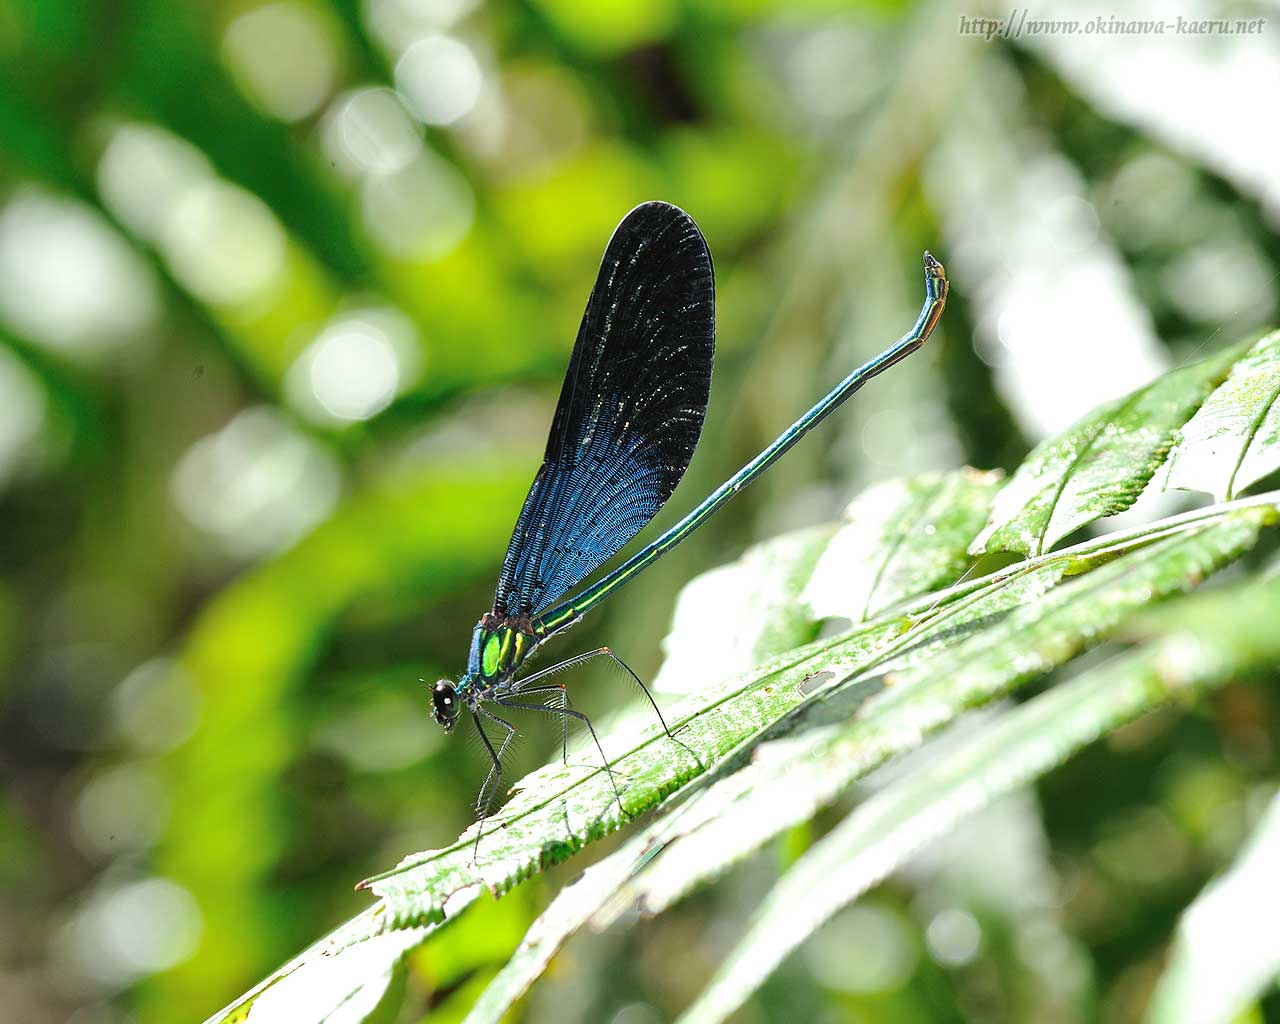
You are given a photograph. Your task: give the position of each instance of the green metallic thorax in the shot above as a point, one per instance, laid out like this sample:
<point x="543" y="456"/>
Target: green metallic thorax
<point x="499" y="646"/>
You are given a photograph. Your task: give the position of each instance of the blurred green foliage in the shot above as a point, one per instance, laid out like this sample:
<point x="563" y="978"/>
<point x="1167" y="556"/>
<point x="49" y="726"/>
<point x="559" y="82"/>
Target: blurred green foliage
<point x="278" y="349"/>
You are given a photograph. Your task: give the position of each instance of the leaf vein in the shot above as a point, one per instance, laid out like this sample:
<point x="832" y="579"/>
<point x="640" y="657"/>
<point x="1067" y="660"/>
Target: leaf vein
<point x="1250" y="436"/>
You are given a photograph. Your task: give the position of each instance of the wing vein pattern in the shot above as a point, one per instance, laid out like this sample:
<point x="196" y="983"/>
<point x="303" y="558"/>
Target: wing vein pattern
<point x="630" y="412"/>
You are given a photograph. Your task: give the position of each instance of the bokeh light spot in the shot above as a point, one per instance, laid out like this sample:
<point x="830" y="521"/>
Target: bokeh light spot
<point x="440" y="78"/>
<point x="225" y="244"/>
<point x="386" y="733"/>
<point x="142" y="174"/>
<point x="355" y="367"/>
<point x="369" y="131"/>
<point x="1224" y="280"/>
<point x="124" y="932"/>
<point x="68" y="280"/>
<point x="354" y="372"/>
<point x="886" y="953"/>
<point x="397" y="24"/>
<point x="121" y="809"/>
<point x="156" y="707"/>
<point x="953" y="937"/>
<point x="258" y="484"/>
<point x="419" y="213"/>
<point x="285" y="55"/>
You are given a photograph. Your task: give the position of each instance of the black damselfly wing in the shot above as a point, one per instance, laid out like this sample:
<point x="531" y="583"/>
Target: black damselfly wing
<point x="630" y="410"/>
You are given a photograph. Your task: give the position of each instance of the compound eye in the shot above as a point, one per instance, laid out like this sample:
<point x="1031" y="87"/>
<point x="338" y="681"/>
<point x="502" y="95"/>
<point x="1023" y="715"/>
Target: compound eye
<point x="445" y="699"/>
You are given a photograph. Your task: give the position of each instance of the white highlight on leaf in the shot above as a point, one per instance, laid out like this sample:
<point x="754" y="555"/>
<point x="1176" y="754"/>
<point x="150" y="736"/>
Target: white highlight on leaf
<point x="1053" y="299"/>
<point x="1228" y="948"/>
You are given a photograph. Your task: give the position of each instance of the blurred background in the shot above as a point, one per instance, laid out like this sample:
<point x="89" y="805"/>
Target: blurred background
<point x="287" y="289"/>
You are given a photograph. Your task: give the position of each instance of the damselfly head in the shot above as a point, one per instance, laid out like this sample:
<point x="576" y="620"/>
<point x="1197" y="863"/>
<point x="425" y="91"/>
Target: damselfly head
<point x="445" y="703"/>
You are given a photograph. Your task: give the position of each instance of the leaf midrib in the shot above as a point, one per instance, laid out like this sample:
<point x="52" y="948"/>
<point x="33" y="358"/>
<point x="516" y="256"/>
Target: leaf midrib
<point x="1066" y="476"/>
<point x="1251" y="436"/>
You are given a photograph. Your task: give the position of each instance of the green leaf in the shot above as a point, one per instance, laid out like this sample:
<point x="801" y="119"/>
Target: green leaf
<point x="572" y="908"/>
<point x="752" y="603"/>
<point x="561" y="807"/>
<point x="343" y="978"/>
<point x="1213" y="641"/>
<point x="1234" y="438"/>
<point x="755" y="599"/>
<point x="789" y="780"/>
<point x="1099" y="465"/>
<point x="899" y="539"/>
<point x="691" y="844"/>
